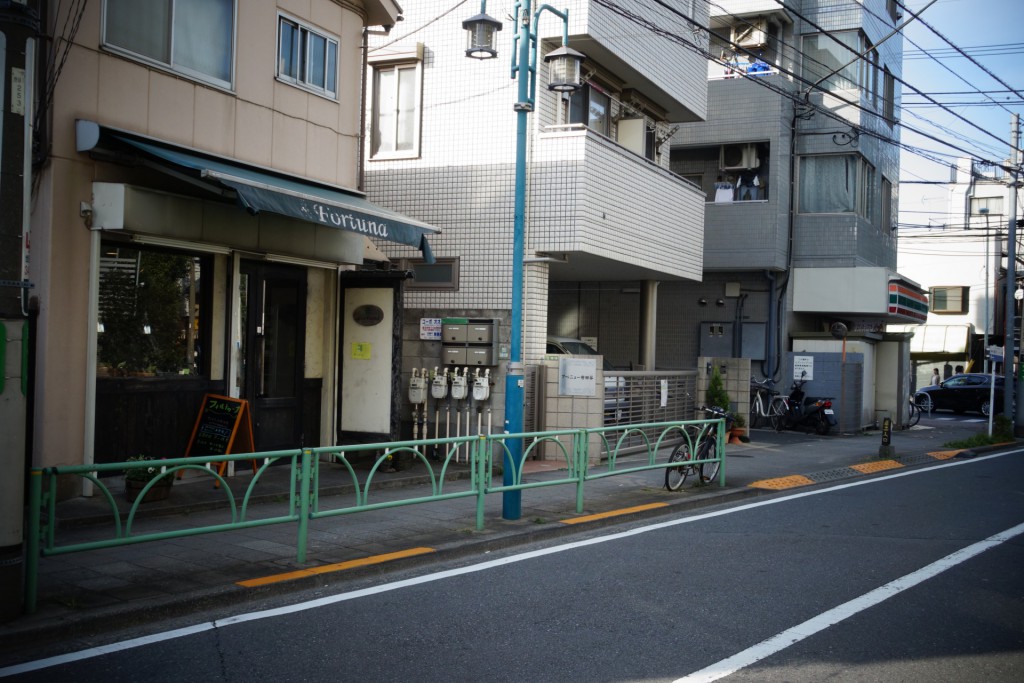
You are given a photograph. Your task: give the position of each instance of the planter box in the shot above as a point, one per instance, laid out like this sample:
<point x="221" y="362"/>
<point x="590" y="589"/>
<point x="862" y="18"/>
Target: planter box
<point x="160" y="491"/>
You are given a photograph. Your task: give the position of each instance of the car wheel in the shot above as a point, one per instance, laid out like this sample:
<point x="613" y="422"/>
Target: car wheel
<point x="924" y="402"/>
<point x="985" y="408"/>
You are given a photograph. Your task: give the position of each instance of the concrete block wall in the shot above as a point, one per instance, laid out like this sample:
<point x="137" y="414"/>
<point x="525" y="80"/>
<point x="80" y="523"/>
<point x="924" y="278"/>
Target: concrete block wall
<point x="735" y="374"/>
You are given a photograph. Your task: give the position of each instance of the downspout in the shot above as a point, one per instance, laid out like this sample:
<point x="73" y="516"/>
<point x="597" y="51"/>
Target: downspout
<point x="769" y="366"/>
<point x="780" y="303"/>
<point x="361" y="147"/>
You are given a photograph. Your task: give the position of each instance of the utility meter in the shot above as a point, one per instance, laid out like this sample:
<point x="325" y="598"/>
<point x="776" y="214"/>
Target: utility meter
<point x="459" y="388"/>
<point x="417" y="389"/>
<point x="481" y="387"/>
<point x="439" y="385"/>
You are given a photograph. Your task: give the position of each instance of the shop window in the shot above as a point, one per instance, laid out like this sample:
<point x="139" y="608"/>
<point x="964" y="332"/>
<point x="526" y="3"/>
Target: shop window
<point x="192" y="37"/>
<point x="442" y="274"/>
<point x="153" y="313"/>
<point x="307" y="58"/>
<point x="949" y="300"/>
<point x="396" y="110"/>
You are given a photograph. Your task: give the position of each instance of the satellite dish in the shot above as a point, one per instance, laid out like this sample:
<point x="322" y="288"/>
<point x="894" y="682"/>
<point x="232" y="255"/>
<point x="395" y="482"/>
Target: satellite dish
<point x="838" y="330"/>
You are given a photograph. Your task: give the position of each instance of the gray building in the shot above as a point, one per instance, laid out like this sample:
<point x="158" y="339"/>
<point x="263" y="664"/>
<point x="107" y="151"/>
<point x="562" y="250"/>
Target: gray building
<point x="799" y="165"/>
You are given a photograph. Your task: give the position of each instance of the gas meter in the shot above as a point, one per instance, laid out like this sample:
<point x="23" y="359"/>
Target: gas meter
<point x="439" y="385"/>
<point x="417" y="388"/>
<point x="481" y="387"/>
<point x="459" y="388"/>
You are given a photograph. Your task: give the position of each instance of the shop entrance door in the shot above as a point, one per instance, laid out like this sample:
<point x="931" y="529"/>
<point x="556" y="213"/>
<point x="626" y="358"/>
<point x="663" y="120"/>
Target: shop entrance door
<point x="273" y="316"/>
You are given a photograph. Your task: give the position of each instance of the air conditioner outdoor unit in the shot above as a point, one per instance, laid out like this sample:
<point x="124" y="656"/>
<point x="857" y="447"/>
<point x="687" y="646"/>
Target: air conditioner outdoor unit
<point x="752" y="34"/>
<point x="737" y="157"/>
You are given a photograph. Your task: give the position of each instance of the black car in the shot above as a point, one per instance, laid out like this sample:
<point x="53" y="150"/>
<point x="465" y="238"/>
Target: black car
<point x="961" y="393"/>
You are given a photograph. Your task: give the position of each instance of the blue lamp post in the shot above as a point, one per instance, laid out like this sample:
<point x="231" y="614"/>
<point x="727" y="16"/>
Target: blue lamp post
<point x="564" y="69"/>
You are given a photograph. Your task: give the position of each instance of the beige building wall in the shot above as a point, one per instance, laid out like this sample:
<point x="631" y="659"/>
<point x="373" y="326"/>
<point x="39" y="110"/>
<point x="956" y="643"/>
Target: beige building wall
<point x="260" y="121"/>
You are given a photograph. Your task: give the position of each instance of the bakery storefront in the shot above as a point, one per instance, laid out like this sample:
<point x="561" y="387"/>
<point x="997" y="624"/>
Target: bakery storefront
<point x="212" y="276"/>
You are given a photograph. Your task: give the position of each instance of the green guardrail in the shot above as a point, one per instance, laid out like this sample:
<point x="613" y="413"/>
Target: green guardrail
<point x="484" y="454"/>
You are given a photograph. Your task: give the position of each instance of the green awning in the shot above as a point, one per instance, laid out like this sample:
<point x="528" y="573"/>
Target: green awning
<point x="262" y="191"/>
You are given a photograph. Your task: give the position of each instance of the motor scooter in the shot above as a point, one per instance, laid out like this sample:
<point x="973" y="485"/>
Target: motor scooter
<point x="806" y="411"/>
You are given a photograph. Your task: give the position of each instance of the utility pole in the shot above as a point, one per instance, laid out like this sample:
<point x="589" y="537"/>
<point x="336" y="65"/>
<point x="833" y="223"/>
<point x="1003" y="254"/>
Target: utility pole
<point x="1009" y="338"/>
<point x="19" y="26"/>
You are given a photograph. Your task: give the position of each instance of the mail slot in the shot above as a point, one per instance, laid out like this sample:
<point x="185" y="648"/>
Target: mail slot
<point x="453" y="355"/>
<point x="480" y="333"/>
<point x="480" y="356"/>
<point x="456" y="333"/>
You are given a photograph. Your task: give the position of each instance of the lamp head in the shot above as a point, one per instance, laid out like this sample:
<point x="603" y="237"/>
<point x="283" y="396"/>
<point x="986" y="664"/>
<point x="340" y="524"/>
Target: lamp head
<point x="564" y="69"/>
<point x="480" y="36"/>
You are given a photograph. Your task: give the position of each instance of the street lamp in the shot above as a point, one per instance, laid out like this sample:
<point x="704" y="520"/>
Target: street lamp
<point x="564" y="66"/>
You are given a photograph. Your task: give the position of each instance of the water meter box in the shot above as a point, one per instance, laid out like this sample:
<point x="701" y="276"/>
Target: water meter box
<point x="453" y="355"/>
<point x="468" y="341"/>
<point x="479" y="355"/>
<point x="455" y="333"/>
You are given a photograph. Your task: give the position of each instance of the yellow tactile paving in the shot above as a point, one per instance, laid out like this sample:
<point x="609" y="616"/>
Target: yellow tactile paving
<point x="877" y="466"/>
<point x="782" y="482"/>
<point x="945" y="455"/>
<point x="337" y="567"/>
<point x="613" y="513"/>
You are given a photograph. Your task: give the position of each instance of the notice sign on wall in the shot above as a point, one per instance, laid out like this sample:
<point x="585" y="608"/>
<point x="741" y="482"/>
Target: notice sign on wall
<point x="430" y="329"/>
<point x="577" y="376"/>
<point x="802" y="365"/>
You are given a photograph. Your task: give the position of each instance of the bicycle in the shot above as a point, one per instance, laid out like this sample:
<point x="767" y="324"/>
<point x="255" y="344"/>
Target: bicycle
<point x="767" y="403"/>
<point x="914" y="411"/>
<point x="704" y="439"/>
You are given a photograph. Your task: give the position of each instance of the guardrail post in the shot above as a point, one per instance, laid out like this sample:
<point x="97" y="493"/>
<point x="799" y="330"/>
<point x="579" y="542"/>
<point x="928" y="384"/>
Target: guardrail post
<point x="581" y="454"/>
<point x="304" y="511"/>
<point x="479" y="466"/>
<point x="35" y="501"/>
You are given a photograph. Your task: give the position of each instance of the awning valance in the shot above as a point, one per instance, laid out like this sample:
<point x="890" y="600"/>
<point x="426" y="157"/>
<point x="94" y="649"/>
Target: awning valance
<point x="259" y="190"/>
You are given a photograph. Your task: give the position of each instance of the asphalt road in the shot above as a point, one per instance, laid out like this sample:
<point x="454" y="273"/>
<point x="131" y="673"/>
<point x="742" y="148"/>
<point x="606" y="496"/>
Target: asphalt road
<point x="902" y="577"/>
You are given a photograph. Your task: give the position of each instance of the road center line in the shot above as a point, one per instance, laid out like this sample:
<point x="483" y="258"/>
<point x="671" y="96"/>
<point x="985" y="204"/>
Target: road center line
<point x="794" y="635"/>
<point x="459" y="571"/>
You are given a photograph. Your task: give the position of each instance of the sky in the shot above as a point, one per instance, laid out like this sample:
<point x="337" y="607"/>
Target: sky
<point x="990" y="31"/>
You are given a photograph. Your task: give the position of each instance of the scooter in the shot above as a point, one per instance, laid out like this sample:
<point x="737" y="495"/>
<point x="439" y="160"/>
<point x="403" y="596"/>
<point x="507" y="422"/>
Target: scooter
<point x="806" y="411"/>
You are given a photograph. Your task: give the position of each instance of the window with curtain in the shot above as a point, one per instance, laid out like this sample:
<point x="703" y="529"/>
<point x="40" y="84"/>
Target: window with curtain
<point x="307" y="58"/>
<point x="396" y="110"/>
<point x="193" y="37"/>
<point x="828" y="184"/>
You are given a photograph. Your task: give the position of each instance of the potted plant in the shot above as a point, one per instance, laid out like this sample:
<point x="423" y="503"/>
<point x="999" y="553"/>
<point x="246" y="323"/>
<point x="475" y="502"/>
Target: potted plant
<point x="717" y="396"/>
<point x="136" y="479"/>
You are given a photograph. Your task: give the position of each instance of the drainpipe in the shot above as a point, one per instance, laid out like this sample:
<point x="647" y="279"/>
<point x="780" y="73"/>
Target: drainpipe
<point x="768" y="367"/>
<point x="361" y="135"/>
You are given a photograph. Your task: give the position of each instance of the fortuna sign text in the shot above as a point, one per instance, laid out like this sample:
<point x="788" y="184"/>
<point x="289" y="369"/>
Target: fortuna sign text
<point x="334" y="216"/>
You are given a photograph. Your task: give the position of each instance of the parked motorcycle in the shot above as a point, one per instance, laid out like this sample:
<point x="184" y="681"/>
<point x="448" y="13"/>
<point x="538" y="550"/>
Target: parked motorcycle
<point x="806" y="411"/>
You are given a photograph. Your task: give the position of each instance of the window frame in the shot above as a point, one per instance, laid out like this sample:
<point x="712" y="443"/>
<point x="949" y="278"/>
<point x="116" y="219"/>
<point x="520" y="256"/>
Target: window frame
<point x="586" y="92"/>
<point x="171" y="65"/>
<point x="451" y="285"/>
<point x="416" y="65"/>
<point x="301" y="57"/>
<point x="865" y="192"/>
<point x="976" y="203"/>
<point x="964" y="296"/>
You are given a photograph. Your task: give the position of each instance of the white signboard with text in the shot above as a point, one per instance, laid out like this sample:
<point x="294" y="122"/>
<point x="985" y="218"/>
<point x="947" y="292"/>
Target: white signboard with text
<point x="801" y="365"/>
<point x="577" y="376"/>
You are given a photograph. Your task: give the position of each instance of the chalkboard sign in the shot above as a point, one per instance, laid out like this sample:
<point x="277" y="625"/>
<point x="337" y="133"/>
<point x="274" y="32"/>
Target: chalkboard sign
<point x="224" y="426"/>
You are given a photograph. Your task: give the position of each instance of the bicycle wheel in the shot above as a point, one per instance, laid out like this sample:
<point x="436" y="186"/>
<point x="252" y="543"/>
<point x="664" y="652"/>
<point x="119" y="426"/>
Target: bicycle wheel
<point x="676" y="476"/>
<point x="756" y="410"/>
<point x="914" y="415"/>
<point x="708" y="449"/>
<point x="776" y="412"/>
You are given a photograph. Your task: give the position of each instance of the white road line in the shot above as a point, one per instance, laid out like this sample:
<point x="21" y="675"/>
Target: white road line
<point x="794" y="635"/>
<point x="449" y="573"/>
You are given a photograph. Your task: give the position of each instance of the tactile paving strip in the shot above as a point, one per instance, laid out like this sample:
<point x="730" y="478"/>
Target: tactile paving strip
<point x="780" y="483"/>
<point x="877" y="466"/>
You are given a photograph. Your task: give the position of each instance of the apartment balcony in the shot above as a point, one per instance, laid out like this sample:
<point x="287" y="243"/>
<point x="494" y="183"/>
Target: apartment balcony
<point x="611" y="214"/>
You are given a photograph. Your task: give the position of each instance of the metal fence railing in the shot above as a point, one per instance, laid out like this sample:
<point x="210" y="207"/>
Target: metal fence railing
<point x="637" y="398"/>
<point x="486" y="454"/>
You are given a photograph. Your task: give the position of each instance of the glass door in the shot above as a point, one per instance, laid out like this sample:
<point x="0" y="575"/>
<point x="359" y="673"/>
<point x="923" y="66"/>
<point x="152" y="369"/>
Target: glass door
<point x="273" y="312"/>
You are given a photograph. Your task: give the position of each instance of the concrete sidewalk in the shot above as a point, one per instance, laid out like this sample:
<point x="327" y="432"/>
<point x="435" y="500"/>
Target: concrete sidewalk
<point x="85" y="592"/>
